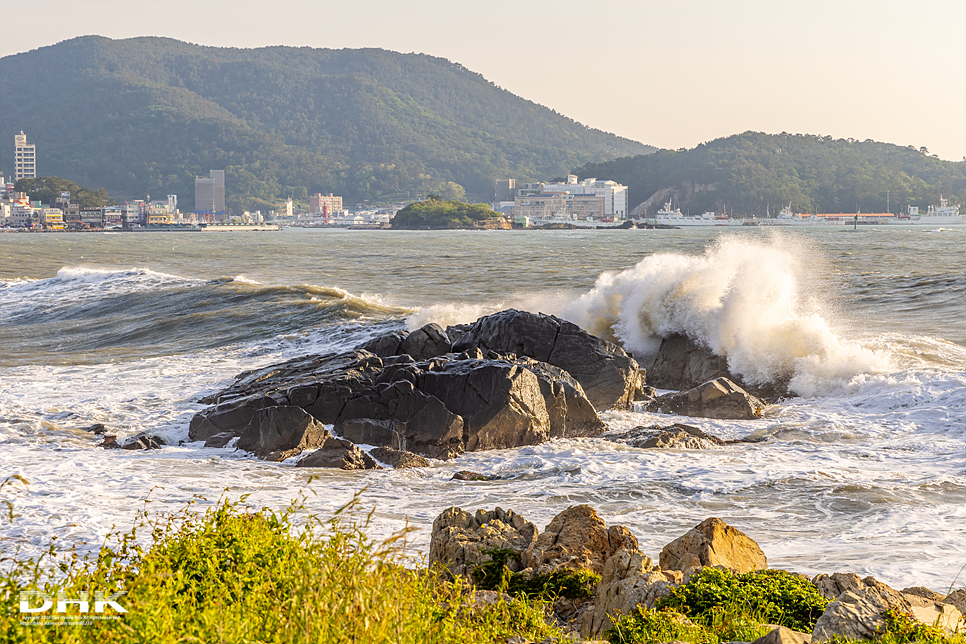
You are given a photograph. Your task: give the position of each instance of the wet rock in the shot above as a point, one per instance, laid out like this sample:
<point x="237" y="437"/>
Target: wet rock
<point x="713" y="543"/>
<point x="232" y="417"/>
<point x="398" y="459"/>
<point x="277" y="433"/>
<point x="676" y="436"/>
<point x="719" y="398"/>
<point x="466" y="475"/>
<point x="577" y="538"/>
<point x="97" y="429"/>
<point x="571" y="413"/>
<point x="607" y="374"/>
<point x="385" y="345"/>
<point x="219" y="440"/>
<point x="682" y="364"/>
<point x="459" y="538"/>
<point x="426" y="342"/>
<point x="142" y="441"/>
<point x="338" y="453"/>
<point x="109" y="442"/>
<point x="629" y="579"/>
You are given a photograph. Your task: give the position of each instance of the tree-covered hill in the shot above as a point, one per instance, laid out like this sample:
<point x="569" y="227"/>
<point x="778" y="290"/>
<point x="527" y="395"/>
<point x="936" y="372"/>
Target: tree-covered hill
<point x="435" y="212"/>
<point x="146" y="115"/>
<point x="751" y="172"/>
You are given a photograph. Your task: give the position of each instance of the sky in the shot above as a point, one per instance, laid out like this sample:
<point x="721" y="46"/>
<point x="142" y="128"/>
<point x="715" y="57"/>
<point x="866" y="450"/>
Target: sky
<point x="670" y="73"/>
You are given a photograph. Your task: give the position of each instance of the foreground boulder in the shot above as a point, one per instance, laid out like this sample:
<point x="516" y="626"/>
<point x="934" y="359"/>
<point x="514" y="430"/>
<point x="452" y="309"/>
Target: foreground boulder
<point x="713" y="543"/>
<point x="719" y="398"/>
<point x="460" y="541"/>
<point x="629" y="579"/>
<point x="577" y="538"/>
<point x="857" y="612"/>
<point x="607" y="374"/>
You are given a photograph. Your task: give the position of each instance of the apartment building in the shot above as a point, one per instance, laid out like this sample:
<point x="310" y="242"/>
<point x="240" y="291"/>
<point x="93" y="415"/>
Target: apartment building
<point x="25" y="161"/>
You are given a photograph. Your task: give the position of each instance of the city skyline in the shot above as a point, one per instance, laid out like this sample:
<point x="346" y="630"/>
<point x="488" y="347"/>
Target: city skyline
<point x="670" y="74"/>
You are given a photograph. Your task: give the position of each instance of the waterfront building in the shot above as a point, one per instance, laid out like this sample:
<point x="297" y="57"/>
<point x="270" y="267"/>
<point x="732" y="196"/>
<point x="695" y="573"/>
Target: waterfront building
<point x="329" y="205"/>
<point x="111" y="217"/>
<point x="504" y="190"/>
<point x="210" y="195"/>
<point x="613" y="193"/>
<point x="559" y="206"/>
<point x="25" y="161"/>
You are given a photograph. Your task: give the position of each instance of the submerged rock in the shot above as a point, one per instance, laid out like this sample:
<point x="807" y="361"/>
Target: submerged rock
<point x="719" y="398"/>
<point x="398" y="459"/>
<point x="676" y="436"/>
<point x="713" y="543"/>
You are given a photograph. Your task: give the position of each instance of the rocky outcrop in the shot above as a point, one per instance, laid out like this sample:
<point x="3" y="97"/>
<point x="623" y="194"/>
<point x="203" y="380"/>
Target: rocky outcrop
<point x="338" y="453"/>
<point x="957" y="598"/>
<point x="719" y="398"/>
<point x="681" y="364"/>
<point x="577" y="538"/>
<point x="460" y="540"/>
<point x="831" y="586"/>
<point x="142" y="440"/>
<point x="629" y="579"/>
<point x="277" y="433"/>
<point x="857" y="613"/>
<point x="426" y="342"/>
<point x="713" y="543"/>
<point x="782" y="635"/>
<point x="607" y="374"/>
<point x="676" y="436"/>
<point x="398" y="459"/>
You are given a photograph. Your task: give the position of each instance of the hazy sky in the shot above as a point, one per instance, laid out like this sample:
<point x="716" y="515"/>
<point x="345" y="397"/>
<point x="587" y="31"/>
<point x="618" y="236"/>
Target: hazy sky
<point x="672" y="73"/>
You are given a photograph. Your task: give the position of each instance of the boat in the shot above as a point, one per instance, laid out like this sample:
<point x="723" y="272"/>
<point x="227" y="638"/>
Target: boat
<point x="668" y="217"/>
<point x="943" y="214"/>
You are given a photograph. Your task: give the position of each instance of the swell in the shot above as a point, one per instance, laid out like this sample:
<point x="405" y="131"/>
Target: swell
<point x="98" y="316"/>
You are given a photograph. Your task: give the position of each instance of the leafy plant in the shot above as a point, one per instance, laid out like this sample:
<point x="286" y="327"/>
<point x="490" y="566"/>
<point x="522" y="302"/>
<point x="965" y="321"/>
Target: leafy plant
<point x="654" y="626"/>
<point x="562" y="582"/>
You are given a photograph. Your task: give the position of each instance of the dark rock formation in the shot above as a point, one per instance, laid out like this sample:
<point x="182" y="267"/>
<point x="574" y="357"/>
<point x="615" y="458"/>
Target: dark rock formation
<point x="398" y="459"/>
<point x="427" y="342"/>
<point x="677" y="436"/>
<point x="719" y="398"/>
<point x="276" y="433"/>
<point x="682" y="364"/>
<point x="142" y="441"/>
<point x="466" y="475"/>
<point x="607" y="374"/>
<point x="338" y="453"/>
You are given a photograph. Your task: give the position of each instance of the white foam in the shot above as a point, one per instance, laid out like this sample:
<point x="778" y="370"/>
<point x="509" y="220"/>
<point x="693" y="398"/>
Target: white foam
<point x="756" y="302"/>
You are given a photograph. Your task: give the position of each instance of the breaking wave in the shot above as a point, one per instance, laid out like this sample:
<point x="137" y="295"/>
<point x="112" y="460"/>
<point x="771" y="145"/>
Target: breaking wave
<point x="760" y="303"/>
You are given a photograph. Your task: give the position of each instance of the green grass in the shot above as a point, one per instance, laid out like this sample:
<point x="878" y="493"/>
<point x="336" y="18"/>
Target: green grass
<point x="233" y="575"/>
<point x="562" y="582"/>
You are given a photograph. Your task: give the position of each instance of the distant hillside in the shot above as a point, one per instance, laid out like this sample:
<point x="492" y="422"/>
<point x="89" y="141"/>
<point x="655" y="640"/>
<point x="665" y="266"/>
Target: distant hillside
<point x="146" y="115"/>
<point x="751" y="172"/>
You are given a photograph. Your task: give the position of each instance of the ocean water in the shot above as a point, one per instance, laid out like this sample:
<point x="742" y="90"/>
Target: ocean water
<point x="863" y="470"/>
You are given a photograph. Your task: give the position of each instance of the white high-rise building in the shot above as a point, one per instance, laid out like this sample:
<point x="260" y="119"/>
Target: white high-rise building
<point x="25" y="161"/>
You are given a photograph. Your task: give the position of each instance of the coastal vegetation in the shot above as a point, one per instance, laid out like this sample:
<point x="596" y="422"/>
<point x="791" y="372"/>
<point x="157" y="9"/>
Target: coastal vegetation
<point x="755" y="173"/>
<point x="436" y="212"/>
<point x="46" y="189"/>
<point x="146" y="115"/>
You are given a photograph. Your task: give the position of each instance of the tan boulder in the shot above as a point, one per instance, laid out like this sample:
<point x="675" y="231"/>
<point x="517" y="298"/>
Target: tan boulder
<point x="629" y="580"/>
<point x="713" y="543"/>
<point x="831" y="586"/>
<point x="459" y="538"/>
<point x="857" y="613"/>
<point x="930" y="610"/>
<point x="782" y="635"/>
<point x="577" y="538"/>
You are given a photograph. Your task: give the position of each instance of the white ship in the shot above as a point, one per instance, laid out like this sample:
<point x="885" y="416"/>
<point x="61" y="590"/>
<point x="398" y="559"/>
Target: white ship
<point x="669" y="217"/>
<point x="941" y="215"/>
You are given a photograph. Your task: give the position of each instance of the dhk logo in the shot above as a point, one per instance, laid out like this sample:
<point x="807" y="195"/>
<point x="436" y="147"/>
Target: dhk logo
<point x="101" y="602"/>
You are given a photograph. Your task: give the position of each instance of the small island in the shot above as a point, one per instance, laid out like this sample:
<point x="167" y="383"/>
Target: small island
<point x="436" y="213"/>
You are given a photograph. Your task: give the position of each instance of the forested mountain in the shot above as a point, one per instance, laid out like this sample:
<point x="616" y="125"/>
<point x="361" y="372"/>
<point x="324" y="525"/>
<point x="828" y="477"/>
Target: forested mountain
<point x="146" y="115"/>
<point x="751" y="172"/>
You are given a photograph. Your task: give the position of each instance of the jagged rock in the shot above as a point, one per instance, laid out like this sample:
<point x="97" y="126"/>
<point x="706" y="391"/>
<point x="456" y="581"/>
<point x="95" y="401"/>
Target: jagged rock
<point x="109" y="442"/>
<point x="629" y="579"/>
<point x="857" y="613"/>
<point x="219" y="440"/>
<point x="923" y="592"/>
<point x="398" y="459"/>
<point x="338" y="453"/>
<point x="682" y="364"/>
<point x="607" y="374"/>
<point x="459" y="538"/>
<point x="931" y="611"/>
<point x="142" y="441"/>
<point x="831" y="586"/>
<point x="713" y="543"/>
<point x="719" y="398"/>
<point x="277" y="433"/>
<point x="426" y="342"/>
<point x="385" y="345"/>
<point x="577" y="538"/>
<point x="782" y="635"/>
<point x="232" y="417"/>
<point x="501" y="404"/>
<point x="673" y="436"/>
<point x="571" y="414"/>
<point x="466" y="475"/>
<point x="957" y="598"/>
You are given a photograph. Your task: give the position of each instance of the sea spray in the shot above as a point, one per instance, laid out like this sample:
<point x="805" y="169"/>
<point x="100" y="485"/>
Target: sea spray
<point x="750" y="300"/>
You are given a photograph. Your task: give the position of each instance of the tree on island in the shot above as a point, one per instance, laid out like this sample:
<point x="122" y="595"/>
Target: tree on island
<point x="435" y="212"/>
<point x="47" y="189"/>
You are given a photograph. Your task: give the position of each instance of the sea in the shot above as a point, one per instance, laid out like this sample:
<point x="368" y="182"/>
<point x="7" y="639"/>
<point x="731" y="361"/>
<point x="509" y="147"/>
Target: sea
<point x="861" y="469"/>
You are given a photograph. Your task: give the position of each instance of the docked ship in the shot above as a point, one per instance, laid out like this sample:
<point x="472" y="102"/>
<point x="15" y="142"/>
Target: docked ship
<point x="943" y="214"/>
<point x="669" y="217"/>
